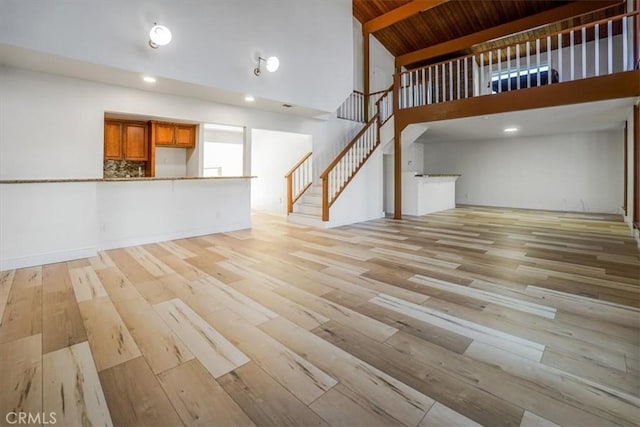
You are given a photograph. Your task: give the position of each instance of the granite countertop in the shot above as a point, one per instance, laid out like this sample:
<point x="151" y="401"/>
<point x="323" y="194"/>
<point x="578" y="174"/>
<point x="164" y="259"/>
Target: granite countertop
<point x="430" y="175"/>
<point x="174" y="178"/>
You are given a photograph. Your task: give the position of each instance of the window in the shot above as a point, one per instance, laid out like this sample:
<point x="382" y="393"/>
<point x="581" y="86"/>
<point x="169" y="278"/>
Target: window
<point x="504" y="81"/>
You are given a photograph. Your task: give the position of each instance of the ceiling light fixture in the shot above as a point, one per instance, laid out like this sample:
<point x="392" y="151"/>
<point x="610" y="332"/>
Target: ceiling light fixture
<point x="272" y="64"/>
<point x="249" y="98"/>
<point x="510" y="130"/>
<point x="149" y="79"/>
<point x="159" y="36"/>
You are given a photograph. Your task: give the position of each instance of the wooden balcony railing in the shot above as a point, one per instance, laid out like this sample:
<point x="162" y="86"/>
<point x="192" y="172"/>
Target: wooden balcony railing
<point x="299" y="179"/>
<point x="589" y="50"/>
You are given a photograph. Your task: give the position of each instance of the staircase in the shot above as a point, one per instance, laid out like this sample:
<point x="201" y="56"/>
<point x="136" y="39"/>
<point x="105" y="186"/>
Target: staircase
<point x="308" y="209"/>
<point x="312" y="205"/>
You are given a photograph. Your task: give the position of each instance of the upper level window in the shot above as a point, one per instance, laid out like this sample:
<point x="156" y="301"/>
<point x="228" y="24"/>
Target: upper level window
<point x="527" y="77"/>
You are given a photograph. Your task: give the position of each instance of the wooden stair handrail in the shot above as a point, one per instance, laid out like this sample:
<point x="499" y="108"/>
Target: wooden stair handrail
<point x="297" y="165"/>
<point x="382" y="97"/>
<point x="346" y="149"/>
<point x="326" y="202"/>
<point x="292" y="198"/>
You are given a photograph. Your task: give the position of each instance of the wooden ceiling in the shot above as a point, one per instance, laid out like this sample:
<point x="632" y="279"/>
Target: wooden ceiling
<point x="447" y="21"/>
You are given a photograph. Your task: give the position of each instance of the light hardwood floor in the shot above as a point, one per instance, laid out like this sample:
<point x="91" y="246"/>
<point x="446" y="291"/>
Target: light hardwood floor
<point x="474" y="316"/>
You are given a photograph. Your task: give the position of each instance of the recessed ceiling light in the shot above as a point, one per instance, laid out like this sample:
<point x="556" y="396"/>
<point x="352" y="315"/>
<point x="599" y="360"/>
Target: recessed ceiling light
<point x="510" y="130"/>
<point x="249" y="98"/>
<point x="149" y="79"/>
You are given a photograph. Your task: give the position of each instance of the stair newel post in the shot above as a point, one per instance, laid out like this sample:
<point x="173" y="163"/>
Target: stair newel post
<point x="325" y="198"/>
<point x="289" y="194"/>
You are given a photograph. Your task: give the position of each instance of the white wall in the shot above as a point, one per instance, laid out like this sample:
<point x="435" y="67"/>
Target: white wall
<point x="362" y="198"/>
<point x="381" y="62"/>
<point x="273" y="154"/>
<point x="215" y="43"/>
<point x="329" y="140"/>
<point x="171" y="161"/>
<point x="52" y="126"/>
<point x="44" y="223"/>
<point x="134" y="213"/>
<point x="571" y="172"/>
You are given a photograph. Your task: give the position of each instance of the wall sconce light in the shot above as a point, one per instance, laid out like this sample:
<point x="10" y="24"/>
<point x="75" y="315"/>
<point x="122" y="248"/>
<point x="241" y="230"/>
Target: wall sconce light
<point x="271" y="63"/>
<point x="159" y="36"/>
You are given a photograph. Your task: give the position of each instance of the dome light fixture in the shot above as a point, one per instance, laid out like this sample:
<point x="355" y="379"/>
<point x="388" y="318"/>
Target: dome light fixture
<point x="272" y="64"/>
<point x="159" y="36"/>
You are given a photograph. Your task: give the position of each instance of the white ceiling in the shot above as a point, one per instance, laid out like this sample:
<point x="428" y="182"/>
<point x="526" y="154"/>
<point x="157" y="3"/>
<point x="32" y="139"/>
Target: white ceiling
<point x="13" y="56"/>
<point x="565" y="119"/>
<point x="575" y="118"/>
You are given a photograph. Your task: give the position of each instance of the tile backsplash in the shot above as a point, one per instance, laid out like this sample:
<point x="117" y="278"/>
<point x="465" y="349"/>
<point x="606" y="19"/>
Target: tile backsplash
<point x="123" y="169"/>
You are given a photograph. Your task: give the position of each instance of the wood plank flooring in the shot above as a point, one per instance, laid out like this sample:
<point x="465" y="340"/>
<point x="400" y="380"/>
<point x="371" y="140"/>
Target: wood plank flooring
<point x="473" y="316"/>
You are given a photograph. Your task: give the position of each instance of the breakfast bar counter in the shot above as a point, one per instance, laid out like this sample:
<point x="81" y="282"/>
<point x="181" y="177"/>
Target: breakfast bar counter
<point x="428" y="193"/>
<point x="48" y="220"/>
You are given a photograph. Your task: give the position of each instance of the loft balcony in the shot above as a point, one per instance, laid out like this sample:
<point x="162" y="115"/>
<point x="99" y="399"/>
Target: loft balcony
<point x="591" y="62"/>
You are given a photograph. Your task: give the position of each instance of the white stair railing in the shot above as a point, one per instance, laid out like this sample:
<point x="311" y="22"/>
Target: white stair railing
<point x="352" y="108"/>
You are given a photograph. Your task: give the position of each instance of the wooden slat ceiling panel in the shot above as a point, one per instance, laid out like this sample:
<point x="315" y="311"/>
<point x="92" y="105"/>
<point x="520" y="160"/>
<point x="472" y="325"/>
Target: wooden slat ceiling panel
<point x="451" y="20"/>
<point x="366" y="10"/>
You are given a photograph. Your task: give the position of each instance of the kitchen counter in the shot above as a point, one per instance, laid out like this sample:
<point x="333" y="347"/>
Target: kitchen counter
<point x="428" y="193"/>
<point x="174" y="178"/>
<point x="45" y="221"/>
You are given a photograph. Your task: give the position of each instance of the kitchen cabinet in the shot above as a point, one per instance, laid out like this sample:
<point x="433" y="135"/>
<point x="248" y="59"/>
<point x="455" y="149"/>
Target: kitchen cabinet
<point x="136" y="143"/>
<point x="125" y="140"/>
<point x="166" y="134"/>
<point x="112" y="140"/>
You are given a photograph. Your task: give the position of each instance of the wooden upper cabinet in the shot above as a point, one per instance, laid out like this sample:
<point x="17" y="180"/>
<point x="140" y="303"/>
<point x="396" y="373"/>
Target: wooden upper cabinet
<point x="136" y="143"/>
<point x="125" y="140"/>
<point x="174" y="134"/>
<point x="164" y="133"/>
<point x="112" y="140"/>
<point x="185" y="136"/>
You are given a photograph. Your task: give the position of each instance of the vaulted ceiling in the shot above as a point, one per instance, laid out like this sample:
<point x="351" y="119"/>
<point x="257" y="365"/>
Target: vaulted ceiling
<point x="448" y="20"/>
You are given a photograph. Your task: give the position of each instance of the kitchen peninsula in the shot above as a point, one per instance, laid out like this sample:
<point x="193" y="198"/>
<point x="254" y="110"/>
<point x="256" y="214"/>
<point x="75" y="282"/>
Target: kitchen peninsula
<point x="75" y="218"/>
<point x="428" y="193"/>
<point x="60" y="219"/>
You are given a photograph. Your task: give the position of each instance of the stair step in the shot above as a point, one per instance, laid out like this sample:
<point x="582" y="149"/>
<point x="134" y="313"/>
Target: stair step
<point x="311" y="199"/>
<point x="308" y="208"/>
<point x="305" y="219"/>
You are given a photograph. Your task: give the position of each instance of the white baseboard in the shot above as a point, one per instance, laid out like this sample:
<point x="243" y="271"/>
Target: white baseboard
<point x="73" y="254"/>
<point x="155" y="238"/>
<point x="48" y="258"/>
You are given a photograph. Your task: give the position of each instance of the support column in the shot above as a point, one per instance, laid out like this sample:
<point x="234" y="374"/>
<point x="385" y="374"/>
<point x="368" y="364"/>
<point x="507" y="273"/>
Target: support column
<point x="397" y="151"/>
<point x="366" y="77"/>
<point x="626" y="167"/>
<point x="636" y="166"/>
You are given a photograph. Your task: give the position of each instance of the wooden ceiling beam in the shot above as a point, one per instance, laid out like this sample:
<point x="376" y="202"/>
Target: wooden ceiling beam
<point x="398" y="14"/>
<point x="553" y="15"/>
